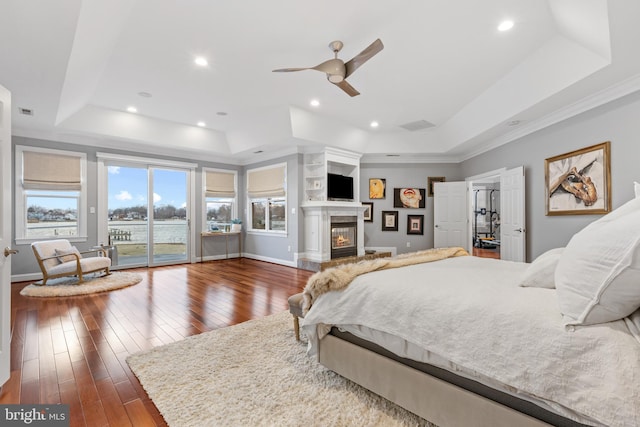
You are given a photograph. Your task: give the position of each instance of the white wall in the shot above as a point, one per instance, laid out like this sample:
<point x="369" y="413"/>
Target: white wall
<point x="618" y="122"/>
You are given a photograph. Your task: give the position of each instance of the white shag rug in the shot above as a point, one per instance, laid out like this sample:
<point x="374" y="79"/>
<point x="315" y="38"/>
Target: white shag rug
<point x="256" y="374"/>
<point x="68" y="286"/>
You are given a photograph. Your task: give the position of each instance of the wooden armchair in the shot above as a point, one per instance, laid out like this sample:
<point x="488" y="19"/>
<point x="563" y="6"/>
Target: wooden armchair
<point x="58" y="258"/>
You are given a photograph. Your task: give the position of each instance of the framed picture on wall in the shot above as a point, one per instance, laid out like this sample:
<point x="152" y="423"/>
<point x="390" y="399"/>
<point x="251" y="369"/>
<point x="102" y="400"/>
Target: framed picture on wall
<point x="377" y="188"/>
<point x="368" y="211"/>
<point x="579" y="182"/>
<point x="415" y="224"/>
<point x="430" y="181"/>
<point x="408" y="198"/>
<point x="389" y="220"/>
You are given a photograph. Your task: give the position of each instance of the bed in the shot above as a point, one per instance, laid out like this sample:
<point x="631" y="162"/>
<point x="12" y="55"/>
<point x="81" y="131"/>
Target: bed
<point x="471" y="341"/>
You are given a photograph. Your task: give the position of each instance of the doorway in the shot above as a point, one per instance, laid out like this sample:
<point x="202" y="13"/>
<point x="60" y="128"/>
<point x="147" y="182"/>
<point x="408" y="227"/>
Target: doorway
<point x="146" y="213"/>
<point x="454" y="213"/>
<point x="500" y="212"/>
<point x="485" y="211"/>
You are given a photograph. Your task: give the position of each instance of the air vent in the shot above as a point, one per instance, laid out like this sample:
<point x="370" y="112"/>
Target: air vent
<point x="417" y="125"/>
<point x="25" y="111"/>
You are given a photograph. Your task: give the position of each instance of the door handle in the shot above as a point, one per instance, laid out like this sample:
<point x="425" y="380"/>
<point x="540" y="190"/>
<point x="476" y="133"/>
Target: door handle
<point x="436" y="226"/>
<point x="519" y="230"/>
<point x="9" y="251"/>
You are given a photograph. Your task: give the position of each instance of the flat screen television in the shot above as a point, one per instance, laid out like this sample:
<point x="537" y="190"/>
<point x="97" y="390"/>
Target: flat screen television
<point x="339" y="187"/>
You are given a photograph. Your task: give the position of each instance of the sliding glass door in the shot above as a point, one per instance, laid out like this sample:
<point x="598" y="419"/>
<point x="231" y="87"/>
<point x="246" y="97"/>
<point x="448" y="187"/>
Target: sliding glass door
<point x="170" y="223"/>
<point x="148" y="216"/>
<point x="128" y="215"/>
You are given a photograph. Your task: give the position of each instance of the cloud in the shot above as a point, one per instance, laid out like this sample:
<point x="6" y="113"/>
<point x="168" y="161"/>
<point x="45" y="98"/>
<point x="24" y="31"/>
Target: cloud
<point x="114" y="170"/>
<point x="184" y="205"/>
<point x="156" y="198"/>
<point x="124" y="195"/>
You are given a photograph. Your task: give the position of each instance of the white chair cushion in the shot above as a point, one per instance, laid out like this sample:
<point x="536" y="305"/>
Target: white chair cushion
<point x="47" y="248"/>
<point x="67" y="255"/>
<point x="636" y="188"/>
<point x="598" y="274"/>
<point x="86" y="264"/>
<point x="541" y="272"/>
<point x="95" y="263"/>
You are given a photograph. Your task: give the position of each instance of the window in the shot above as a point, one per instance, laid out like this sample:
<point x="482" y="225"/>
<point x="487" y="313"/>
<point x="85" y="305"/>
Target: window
<point x="269" y="214"/>
<point x="266" y="189"/>
<point x="220" y="199"/>
<point x="50" y="194"/>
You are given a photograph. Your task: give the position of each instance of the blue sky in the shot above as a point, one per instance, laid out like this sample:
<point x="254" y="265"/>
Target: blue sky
<point x="128" y="187"/>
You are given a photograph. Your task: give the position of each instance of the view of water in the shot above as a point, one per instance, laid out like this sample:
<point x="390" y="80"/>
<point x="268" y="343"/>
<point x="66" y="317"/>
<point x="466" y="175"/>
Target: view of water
<point x="168" y="231"/>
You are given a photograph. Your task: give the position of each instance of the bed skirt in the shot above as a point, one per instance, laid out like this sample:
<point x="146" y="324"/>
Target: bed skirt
<point x="431" y="398"/>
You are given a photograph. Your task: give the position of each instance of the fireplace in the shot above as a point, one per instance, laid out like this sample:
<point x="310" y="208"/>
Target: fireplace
<point x="344" y="240"/>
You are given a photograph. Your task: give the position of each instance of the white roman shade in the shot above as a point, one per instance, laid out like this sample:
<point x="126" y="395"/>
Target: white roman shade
<point x="266" y="182"/>
<point x="220" y="184"/>
<point x="47" y="171"/>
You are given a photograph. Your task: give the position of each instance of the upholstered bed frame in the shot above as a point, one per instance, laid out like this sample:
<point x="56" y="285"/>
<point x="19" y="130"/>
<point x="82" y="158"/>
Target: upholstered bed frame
<point x="434" y="399"/>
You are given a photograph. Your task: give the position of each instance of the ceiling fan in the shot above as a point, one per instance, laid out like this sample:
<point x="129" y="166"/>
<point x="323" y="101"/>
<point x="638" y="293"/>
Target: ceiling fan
<point x="337" y="70"/>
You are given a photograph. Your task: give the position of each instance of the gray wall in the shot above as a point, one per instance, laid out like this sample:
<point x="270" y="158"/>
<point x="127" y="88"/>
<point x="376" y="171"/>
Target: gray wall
<point x="397" y="176"/>
<point x="279" y="247"/>
<point x="618" y="122"/>
<point x="25" y="263"/>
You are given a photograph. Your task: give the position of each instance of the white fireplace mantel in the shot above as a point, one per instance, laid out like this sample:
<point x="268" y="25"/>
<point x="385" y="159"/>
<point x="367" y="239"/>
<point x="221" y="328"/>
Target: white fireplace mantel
<point x="317" y="227"/>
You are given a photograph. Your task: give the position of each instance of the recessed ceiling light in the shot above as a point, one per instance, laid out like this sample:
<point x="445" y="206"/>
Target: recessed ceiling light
<point x="505" y="25"/>
<point x="513" y="123"/>
<point x="201" y="61"/>
<point x="314" y="103"/>
<point x="132" y="109"/>
<point x="374" y="124"/>
<point x="258" y="152"/>
<point x="222" y="113"/>
<point x="145" y="94"/>
<point x="201" y="124"/>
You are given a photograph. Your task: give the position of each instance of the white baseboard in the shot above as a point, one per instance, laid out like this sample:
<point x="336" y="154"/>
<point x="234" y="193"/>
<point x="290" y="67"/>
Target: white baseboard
<point x="218" y="257"/>
<point x="26" y="277"/>
<point x="272" y="260"/>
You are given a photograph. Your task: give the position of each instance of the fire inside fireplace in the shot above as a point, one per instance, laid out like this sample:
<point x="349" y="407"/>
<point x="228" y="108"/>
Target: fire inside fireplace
<point x="343" y="237"/>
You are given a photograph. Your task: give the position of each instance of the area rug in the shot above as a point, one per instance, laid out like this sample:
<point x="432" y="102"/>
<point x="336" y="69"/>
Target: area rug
<point x="256" y="374"/>
<point x="68" y="286"/>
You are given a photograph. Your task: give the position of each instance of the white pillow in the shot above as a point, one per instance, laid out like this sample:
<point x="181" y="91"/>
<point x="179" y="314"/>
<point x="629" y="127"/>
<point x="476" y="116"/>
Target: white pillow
<point x="636" y="187"/>
<point x="598" y="275"/>
<point x="541" y="272"/>
<point x="66" y="255"/>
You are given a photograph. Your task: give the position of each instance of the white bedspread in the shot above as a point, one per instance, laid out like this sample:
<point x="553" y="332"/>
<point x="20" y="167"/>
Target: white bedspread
<point x="470" y="311"/>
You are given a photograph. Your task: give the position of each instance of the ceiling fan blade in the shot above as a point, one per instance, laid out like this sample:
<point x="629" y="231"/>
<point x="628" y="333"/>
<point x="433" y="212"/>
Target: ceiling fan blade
<point x="363" y="57"/>
<point x="287" y="70"/>
<point x="350" y="90"/>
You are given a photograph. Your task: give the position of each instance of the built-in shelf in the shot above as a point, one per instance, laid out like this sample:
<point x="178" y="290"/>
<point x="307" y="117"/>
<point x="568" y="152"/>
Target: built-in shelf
<point x="330" y="160"/>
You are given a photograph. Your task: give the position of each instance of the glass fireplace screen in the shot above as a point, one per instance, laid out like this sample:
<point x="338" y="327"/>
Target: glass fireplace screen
<point x="343" y="236"/>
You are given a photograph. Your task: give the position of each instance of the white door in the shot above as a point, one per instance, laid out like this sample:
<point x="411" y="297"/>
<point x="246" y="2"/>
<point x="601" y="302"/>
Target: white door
<point x="450" y="214"/>
<point x="5" y="234"/>
<point x="512" y="215"/>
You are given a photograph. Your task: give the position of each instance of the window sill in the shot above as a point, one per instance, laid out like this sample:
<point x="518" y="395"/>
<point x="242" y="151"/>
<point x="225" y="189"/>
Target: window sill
<point x="28" y="241"/>
<point x="267" y="233"/>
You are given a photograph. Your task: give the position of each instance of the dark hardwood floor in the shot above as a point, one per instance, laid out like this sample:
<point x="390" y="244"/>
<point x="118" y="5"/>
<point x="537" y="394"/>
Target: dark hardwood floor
<point x="73" y="350"/>
<point x="487" y="253"/>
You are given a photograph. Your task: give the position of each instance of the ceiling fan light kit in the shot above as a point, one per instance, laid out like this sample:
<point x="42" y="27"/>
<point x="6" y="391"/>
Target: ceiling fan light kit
<point x="337" y="70"/>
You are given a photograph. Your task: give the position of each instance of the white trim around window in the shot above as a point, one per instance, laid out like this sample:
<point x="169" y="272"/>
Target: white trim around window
<point x="21" y="195"/>
<point x="234" y="198"/>
<point x="278" y="193"/>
